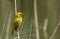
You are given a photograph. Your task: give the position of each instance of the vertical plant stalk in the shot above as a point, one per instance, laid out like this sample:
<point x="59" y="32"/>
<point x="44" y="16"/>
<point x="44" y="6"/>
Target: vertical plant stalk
<point x="45" y="28"/>
<point x="15" y="6"/>
<point x="8" y="26"/>
<point x="4" y="25"/>
<point x="30" y="29"/>
<point x="36" y="19"/>
<point x="15" y="14"/>
<point x="18" y="34"/>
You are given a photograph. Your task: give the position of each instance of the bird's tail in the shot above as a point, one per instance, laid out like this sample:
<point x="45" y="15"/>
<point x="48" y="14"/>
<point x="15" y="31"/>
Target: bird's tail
<point x="12" y="32"/>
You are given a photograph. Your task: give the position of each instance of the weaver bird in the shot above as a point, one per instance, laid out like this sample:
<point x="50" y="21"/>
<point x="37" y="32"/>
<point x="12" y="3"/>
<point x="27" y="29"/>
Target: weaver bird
<point x="17" y="22"/>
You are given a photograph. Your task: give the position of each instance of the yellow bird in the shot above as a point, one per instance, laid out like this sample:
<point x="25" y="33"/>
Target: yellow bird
<point x="17" y="22"/>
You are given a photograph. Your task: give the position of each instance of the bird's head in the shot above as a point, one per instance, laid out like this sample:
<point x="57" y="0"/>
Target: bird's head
<point x="18" y="14"/>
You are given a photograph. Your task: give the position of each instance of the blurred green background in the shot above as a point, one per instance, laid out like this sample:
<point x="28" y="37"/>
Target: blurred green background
<point x="47" y="9"/>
